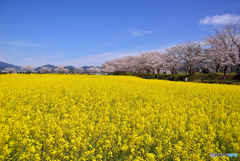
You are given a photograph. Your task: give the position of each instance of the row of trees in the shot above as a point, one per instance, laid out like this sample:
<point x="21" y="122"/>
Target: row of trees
<point x="220" y="51"/>
<point x="59" y="69"/>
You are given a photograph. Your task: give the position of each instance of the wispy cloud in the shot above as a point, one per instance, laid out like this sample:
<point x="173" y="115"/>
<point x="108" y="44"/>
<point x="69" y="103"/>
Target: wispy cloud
<point x="2" y="57"/>
<point x="101" y="46"/>
<point x="174" y="21"/>
<point x="52" y="57"/>
<point x="219" y="19"/>
<point x="29" y="59"/>
<point x="42" y="59"/>
<point x="235" y="4"/>
<point x="94" y="60"/>
<point x="5" y="55"/>
<point x="20" y="43"/>
<point x="101" y="58"/>
<point x="15" y="52"/>
<point x="90" y="60"/>
<point x="140" y="32"/>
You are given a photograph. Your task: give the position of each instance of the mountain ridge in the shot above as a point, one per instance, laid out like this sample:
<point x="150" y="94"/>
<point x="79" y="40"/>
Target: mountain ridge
<point x="4" y="65"/>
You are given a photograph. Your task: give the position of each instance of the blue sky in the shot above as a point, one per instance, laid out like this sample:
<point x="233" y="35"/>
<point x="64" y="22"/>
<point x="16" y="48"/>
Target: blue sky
<point x="78" y="32"/>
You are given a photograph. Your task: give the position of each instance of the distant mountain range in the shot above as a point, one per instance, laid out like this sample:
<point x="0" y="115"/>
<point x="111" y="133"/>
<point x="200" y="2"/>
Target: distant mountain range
<point x="7" y="65"/>
<point x="86" y="67"/>
<point x="48" y="65"/>
<point x="71" y="68"/>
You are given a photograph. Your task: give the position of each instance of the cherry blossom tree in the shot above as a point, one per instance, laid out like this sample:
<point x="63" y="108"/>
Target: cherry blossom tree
<point x="133" y="64"/>
<point x="229" y="36"/>
<point x="224" y="48"/>
<point x="108" y="67"/>
<point x="78" y="70"/>
<point x="188" y="53"/>
<point x="10" y="70"/>
<point x="160" y="61"/>
<point x="156" y="61"/>
<point x="45" y="70"/>
<point x="61" y="69"/>
<point x="128" y="64"/>
<point x="149" y="61"/>
<point x="94" y="70"/>
<point x="173" y="59"/>
<point x="27" y="69"/>
<point x="146" y="61"/>
<point x="214" y="53"/>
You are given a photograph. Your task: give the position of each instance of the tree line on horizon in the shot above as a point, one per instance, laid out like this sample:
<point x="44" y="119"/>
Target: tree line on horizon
<point x="59" y="69"/>
<point x="213" y="53"/>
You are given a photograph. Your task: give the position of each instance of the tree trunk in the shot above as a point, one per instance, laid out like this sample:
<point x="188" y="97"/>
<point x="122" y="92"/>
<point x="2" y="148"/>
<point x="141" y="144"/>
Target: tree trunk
<point x="173" y="72"/>
<point x="225" y="73"/>
<point x="231" y="69"/>
<point x="158" y="71"/>
<point x="238" y="66"/>
<point x="217" y="68"/>
<point x="238" y="71"/>
<point x="239" y="75"/>
<point x="190" y="70"/>
<point x="148" y="71"/>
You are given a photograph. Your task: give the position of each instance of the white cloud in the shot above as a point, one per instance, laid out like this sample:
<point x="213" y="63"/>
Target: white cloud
<point x="20" y="43"/>
<point x="139" y="32"/>
<point x="219" y="19"/>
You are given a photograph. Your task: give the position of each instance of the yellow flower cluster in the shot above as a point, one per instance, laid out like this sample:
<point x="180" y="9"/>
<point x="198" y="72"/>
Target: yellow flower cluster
<point x="79" y="117"/>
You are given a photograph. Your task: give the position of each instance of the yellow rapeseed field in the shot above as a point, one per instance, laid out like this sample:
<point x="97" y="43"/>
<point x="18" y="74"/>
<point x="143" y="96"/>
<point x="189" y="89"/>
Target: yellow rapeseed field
<point x="80" y="117"/>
